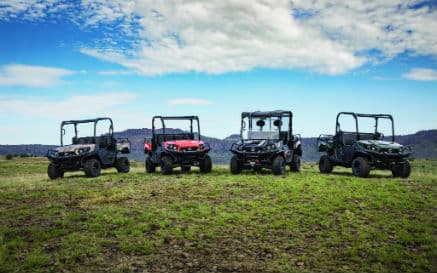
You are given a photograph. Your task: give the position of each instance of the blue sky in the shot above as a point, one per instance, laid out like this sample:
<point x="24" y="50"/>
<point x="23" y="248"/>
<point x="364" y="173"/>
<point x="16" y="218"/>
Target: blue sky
<point x="131" y="60"/>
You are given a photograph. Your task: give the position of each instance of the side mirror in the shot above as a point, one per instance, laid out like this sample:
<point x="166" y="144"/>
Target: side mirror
<point x="63" y="131"/>
<point x="244" y="124"/>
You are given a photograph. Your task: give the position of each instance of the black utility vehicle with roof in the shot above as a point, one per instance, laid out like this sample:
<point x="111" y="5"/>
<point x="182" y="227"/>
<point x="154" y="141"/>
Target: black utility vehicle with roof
<point x="89" y="153"/>
<point x="267" y="141"/>
<point x="169" y="150"/>
<point x="363" y="151"/>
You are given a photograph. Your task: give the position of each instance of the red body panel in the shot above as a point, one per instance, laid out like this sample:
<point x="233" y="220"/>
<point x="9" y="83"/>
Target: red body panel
<point x="180" y="143"/>
<point x="147" y="146"/>
<point x="184" y="144"/>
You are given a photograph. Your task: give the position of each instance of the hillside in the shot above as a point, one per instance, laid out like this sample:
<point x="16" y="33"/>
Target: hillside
<point x="424" y="145"/>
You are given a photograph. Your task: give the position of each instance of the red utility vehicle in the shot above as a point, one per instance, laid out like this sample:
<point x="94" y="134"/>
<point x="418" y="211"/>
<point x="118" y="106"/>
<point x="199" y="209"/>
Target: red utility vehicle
<point x="171" y="148"/>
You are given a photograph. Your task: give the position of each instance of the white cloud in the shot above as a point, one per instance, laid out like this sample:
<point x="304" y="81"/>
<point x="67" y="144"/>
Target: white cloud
<point x="32" y="10"/>
<point x="387" y="28"/>
<point x="225" y="36"/>
<point x="421" y="74"/>
<point x="115" y="72"/>
<point x="189" y="101"/>
<point x="32" y="76"/>
<point x="160" y="37"/>
<point x="75" y="107"/>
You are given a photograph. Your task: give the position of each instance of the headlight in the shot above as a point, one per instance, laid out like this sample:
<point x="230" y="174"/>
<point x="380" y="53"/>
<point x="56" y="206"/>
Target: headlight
<point x="53" y="153"/>
<point x="371" y="147"/>
<point x="270" y="147"/>
<point x="82" y="150"/>
<point x="239" y="147"/>
<point x="201" y="146"/>
<point x="172" y="147"/>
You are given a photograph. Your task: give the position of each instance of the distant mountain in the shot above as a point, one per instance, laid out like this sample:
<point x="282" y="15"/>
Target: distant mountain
<point x="424" y="145"/>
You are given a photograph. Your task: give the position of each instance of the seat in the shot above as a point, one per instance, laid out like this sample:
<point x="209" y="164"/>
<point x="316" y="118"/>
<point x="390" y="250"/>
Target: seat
<point x="349" y="138"/>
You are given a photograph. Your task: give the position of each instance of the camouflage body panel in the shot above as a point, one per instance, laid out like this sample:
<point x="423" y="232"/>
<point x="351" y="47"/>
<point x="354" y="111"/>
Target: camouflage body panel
<point x="76" y="148"/>
<point x="384" y="147"/>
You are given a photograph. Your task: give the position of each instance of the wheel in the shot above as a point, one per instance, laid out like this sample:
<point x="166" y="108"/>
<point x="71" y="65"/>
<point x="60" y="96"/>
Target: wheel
<point x="295" y="163"/>
<point x="402" y="170"/>
<point x="360" y="167"/>
<point x="185" y="169"/>
<point x="236" y="167"/>
<point x="278" y="166"/>
<point x="325" y="164"/>
<point x="205" y="164"/>
<point x="123" y="165"/>
<point x="92" y="167"/>
<point x="150" y="167"/>
<point x="166" y="165"/>
<point x="53" y="172"/>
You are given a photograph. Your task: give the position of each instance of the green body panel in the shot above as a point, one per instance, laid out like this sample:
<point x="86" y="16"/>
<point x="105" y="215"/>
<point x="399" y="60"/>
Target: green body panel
<point x="380" y="144"/>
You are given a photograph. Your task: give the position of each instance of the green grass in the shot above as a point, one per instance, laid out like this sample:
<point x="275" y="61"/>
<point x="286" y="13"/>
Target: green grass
<point x="304" y="222"/>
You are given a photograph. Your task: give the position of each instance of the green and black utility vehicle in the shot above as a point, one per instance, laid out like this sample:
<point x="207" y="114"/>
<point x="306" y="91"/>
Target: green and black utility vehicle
<point x="89" y="153"/>
<point x="364" y="151"/>
<point x="266" y="141"/>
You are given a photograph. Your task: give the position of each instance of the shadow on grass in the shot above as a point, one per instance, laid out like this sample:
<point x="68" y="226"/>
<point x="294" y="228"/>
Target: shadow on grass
<point x="386" y="176"/>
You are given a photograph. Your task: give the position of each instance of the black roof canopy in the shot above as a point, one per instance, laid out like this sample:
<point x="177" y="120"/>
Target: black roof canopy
<point x="276" y="113"/>
<point x="66" y="122"/>
<point x="360" y="115"/>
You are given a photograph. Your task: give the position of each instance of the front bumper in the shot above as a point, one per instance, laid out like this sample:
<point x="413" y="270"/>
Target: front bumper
<point x="188" y="157"/>
<point x="66" y="162"/>
<point x="386" y="160"/>
<point x="259" y="159"/>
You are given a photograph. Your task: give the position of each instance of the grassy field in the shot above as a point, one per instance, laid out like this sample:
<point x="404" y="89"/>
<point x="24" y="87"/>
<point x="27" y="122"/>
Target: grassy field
<point x="305" y="222"/>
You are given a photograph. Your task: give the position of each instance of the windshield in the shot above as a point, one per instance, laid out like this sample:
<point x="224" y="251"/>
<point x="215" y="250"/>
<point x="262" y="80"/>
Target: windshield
<point x="261" y="128"/>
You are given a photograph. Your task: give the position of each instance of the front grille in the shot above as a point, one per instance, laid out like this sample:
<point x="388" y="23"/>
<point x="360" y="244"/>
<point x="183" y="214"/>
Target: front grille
<point x="189" y="149"/>
<point x="389" y="151"/>
<point x="66" y="153"/>
<point x="252" y="149"/>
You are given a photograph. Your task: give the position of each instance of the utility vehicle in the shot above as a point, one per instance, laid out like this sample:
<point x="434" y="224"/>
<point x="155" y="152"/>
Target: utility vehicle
<point x="364" y="151"/>
<point x="266" y="141"/>
<point x="89" y="153"/>
<point x="171" y="148"/>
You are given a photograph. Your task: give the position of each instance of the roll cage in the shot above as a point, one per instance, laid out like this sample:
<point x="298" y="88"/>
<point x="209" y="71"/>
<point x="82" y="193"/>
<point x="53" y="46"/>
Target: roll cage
<point x="88" y="139"/>
<point x="164" y="136"/>
<point x="358" y="135"/>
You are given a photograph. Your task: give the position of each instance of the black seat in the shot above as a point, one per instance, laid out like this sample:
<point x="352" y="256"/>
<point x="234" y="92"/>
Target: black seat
<point x="349" y="138"/>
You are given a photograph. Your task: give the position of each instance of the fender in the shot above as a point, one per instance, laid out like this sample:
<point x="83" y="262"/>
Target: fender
<point x="363" y="154"/>
<point x="298" y="150"/>
<point x="147" y="147"/>
<point x="93" y="154"/>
